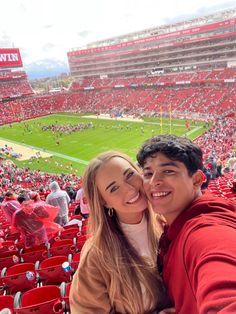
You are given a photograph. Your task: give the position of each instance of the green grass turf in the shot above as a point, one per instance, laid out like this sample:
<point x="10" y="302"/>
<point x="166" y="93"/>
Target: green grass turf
<point x="84" y="145"/>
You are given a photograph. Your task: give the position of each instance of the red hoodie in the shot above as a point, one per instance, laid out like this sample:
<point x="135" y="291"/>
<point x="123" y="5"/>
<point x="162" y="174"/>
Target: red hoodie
<point x="200" y="262"/>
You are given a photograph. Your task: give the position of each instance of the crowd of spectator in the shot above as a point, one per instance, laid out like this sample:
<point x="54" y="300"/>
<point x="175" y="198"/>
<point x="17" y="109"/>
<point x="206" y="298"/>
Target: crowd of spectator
<point x="204" y="102"/>
<point x="15" y="89"/>
<point x="202" y="98"/>
<point x="193" y="76"/>
<point x="18" y="179"/>
<point x="220" y="140"/>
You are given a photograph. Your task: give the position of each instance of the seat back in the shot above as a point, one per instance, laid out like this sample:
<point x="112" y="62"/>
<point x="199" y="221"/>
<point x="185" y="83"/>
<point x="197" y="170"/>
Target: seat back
<point x="70" y="233"/>
<point x="51" y="272"/>
<point x="63" y="247"/>
<point x="20" y="277"/>
<point x="6" y="301"/>
<point x="35" y="253"/>
<point x="80" y="242"/>
<point x="75" y="261"/>
<point x="42" y="300"/>
<point x="9" y="258"/>
<point x="8" y="246"/>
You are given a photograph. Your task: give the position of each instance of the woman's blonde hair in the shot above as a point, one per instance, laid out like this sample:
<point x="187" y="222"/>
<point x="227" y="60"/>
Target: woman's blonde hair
<point x="128" y="270"/>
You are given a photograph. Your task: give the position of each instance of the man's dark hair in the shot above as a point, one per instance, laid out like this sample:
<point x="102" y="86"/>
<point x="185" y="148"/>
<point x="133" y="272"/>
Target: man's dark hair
<point x="174" y="147"/>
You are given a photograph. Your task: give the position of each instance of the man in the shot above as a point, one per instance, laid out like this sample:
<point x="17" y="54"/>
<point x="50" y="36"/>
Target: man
<point x="198" y="247"/>
<point x="60" y="199"/>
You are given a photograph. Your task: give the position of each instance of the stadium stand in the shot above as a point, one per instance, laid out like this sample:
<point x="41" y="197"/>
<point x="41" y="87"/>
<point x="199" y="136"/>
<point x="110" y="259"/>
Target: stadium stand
<point x="186" y="69"/>
<point x="13" y="81"/>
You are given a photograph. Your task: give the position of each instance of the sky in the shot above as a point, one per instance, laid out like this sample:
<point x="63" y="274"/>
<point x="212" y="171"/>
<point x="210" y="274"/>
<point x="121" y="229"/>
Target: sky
<point x="48" y="29"/>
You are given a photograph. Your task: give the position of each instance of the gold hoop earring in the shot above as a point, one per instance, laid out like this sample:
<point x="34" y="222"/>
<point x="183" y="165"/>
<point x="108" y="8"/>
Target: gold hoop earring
<point x="110" y="212"/>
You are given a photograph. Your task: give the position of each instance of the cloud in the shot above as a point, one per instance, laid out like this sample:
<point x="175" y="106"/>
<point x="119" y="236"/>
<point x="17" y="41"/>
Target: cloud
<point x="47" y="47"/>
<point x="21" y="8"/>
<point x="49" y="29"/>
<point x="48" y="26"/>
<point x="24" y="53"/>
<point x="84" y="34"/>
<point x="5" y="41"/>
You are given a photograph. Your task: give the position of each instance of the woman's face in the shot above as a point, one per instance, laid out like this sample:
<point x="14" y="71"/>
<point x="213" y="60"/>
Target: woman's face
<point x="121" y="188"/>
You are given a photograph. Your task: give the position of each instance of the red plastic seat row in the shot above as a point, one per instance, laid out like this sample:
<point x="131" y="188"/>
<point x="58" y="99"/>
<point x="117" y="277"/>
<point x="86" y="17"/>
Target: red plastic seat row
<point x="47" y="299"/>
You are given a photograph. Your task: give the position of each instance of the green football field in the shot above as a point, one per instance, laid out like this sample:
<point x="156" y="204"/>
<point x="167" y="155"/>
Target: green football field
<point x="74" y="150"/>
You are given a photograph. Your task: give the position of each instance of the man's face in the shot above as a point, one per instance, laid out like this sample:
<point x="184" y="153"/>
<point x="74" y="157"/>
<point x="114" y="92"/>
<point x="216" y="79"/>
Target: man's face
<point x="168" y="185"/>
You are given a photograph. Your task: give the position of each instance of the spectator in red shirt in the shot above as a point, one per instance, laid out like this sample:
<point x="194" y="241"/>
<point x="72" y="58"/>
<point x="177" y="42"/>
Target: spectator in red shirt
<point x="197" y="251"/>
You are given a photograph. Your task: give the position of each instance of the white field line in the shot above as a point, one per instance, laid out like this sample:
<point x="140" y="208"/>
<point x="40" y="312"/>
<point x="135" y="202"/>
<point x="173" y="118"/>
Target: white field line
<point x="84" y="162"/>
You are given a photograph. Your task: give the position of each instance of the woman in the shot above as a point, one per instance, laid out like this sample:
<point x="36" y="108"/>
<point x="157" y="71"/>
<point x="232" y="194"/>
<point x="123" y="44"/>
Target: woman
<point x="117" y="271"/>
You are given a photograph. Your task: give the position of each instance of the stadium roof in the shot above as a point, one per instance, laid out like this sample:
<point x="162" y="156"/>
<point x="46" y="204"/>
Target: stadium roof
<point x="162" y="29"/>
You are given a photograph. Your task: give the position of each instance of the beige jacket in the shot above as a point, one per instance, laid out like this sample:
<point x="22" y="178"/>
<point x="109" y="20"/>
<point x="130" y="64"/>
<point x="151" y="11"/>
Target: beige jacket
<point x="89" y="292"/>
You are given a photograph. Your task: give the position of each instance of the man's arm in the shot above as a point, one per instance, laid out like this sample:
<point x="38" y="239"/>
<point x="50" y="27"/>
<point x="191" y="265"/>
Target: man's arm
<point x="210" y="262"/>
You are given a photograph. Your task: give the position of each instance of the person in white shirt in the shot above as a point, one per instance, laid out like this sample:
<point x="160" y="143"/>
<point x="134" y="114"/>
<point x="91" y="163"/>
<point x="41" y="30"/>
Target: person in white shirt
<point x="83" y="203"/>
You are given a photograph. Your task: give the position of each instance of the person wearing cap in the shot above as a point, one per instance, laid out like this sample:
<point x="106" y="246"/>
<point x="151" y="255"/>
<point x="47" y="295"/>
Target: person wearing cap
<point x="197" y="251"/>
<point x="61" y="200"/>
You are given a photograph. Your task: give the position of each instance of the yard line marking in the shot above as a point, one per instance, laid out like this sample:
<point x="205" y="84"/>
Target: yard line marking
<point x="193" y="130"/>
<point x="84" y="162"/>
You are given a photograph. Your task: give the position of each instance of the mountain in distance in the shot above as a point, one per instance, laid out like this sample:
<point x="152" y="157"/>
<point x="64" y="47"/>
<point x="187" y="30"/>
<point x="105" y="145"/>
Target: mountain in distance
<point x="45" y="68"/>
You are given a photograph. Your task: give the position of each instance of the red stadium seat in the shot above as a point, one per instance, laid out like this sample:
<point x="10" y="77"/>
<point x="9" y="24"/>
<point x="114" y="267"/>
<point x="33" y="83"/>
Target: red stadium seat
<point x="41" y="300"/>
<point x="51" y="272"/>
<point x="65" y="292"/>
<point x="19" y="277"/>
<point x="74" y="261"/>
<point x="9" y="258"/>
<point x="80" y="242"/>
<point x="70" y="233"/>
<point x="12" y="235"/>
<point x="79" y="217"/>
<point x="62" y="247"/>
<point x="7" y="301"/>
<point x="34" y="254"/>
<point x="8" y="246"/>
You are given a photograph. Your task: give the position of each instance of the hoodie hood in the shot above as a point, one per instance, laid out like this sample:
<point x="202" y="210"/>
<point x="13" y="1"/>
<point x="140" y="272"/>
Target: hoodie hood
<point x="54" y="186"/>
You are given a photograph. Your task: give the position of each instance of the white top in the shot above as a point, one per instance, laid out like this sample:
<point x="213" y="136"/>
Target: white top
<point x="80" y="197"/>
<point x="138" y="236"/>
